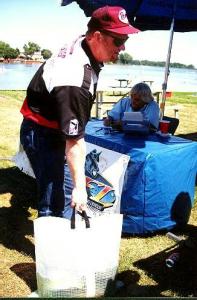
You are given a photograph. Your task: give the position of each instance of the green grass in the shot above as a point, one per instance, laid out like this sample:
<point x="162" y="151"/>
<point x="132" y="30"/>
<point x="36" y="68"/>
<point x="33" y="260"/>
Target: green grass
<point x="13" y="94"/>
<point x="142" y="259"/>
<point x="183" y="98"/>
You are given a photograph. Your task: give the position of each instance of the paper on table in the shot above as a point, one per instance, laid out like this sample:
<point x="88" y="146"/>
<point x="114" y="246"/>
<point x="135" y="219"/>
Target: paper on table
<point x="133" y="116"/>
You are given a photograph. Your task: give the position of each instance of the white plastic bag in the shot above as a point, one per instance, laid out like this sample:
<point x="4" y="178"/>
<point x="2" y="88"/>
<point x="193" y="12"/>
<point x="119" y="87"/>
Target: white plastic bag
<point x="80" y="262"/>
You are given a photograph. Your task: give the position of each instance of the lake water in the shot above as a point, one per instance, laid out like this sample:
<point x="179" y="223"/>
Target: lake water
<point x="17" y="76"/>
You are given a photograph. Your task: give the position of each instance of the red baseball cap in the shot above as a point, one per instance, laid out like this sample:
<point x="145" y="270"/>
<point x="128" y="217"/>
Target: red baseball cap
<point x="111" y="18"/>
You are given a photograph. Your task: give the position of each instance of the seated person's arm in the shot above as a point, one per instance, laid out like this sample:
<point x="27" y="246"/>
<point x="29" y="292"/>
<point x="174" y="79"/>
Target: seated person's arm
<point x="152" y="114"/>
<point x="109" y="121"/>
<point x="114" y="116"/>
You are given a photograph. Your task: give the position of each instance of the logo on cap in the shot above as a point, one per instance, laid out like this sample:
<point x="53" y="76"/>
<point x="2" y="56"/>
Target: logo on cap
<point x="123" y="16"/>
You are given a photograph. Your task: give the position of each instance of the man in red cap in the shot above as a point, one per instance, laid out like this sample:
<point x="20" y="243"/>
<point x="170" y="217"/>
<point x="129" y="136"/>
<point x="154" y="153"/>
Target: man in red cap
<point x="57" y="108"/>
<point x="110" y="27"/>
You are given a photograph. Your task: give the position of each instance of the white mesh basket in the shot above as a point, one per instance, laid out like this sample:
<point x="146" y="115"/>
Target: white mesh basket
<point x="77" y="262"/>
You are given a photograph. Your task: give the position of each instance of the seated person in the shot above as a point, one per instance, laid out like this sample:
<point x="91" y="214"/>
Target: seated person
<point x="140" y="99"/>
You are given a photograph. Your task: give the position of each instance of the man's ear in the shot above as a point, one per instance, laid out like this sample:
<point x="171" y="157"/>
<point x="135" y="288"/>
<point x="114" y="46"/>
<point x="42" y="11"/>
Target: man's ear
<point x="97" y="36"/>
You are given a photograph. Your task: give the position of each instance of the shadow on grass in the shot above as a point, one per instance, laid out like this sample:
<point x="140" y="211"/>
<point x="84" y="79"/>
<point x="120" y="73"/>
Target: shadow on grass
<point x="27" y="272"/>
<point x="182" y="278"/>
<point x="179" y="281"/>
<point x="16" y="225"/>
<point x="130" y="286"/>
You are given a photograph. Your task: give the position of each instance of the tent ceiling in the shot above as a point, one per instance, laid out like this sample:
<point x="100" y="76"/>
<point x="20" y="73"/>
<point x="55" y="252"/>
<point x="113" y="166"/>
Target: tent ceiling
<point x="150" y="14"/>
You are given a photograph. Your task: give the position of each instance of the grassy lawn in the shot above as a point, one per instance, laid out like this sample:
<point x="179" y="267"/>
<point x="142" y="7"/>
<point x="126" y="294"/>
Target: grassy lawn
<point x="142" y="259"/>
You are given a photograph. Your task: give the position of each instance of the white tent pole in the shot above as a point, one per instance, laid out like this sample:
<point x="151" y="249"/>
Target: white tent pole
<point x="167" y="71"/>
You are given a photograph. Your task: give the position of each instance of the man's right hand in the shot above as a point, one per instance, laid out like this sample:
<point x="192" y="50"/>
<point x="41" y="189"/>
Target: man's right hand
<point x="75" y="155"/>
<point x="79" y="199"/>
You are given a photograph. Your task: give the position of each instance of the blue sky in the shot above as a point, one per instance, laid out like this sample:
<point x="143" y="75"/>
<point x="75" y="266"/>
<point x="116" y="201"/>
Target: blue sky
<point x="50" y="25"/>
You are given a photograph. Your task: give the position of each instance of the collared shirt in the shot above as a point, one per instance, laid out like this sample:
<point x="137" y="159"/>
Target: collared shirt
<point x="97" y="66"/>
<point x="61" y="93"/>
<point x="150" y="111"/>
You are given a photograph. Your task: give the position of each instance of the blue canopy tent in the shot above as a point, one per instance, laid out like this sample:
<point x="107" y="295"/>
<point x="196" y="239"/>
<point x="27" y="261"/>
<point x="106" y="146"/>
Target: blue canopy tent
<point x="173" y="15"/>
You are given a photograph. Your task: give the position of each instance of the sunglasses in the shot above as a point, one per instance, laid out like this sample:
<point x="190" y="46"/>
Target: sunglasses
<point x="117" y="41"/>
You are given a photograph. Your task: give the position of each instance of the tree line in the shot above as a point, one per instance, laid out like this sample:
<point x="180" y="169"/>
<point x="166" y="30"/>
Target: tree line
<point x="127" y="59"/>
<point x="30" y="49"/>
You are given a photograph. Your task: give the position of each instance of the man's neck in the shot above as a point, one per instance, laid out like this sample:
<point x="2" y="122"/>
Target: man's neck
<point x="94" y="63"/>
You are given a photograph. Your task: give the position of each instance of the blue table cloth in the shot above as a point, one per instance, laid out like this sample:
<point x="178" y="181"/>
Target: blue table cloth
<point x="159" y="183"/>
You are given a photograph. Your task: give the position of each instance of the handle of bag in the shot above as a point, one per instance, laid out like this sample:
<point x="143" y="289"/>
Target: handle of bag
<point x="84" y="215"/>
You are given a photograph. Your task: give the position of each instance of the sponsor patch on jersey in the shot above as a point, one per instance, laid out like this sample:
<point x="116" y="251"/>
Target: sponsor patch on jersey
<point x="73" y="127"/>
